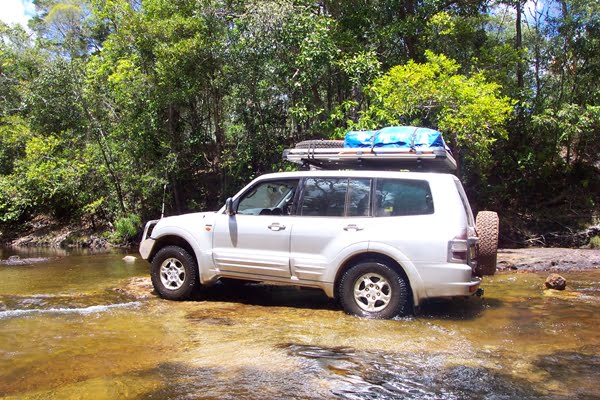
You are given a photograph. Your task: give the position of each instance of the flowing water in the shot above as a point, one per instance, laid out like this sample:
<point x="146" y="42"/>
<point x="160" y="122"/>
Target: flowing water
<point x="68" y="330"/>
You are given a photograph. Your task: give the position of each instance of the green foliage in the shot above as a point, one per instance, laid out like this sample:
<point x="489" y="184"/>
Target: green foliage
<point x="468" y="110"/>
<point x="109" y="100"/>
<point x="576" y="131"/>
<point x="126" y="228"/>
<point x="595" y="242"/>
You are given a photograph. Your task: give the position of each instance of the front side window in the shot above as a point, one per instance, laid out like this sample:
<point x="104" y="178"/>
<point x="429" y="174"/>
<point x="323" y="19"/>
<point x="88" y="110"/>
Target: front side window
<point x="400" y="197"/>
<point x="268" y="198"/>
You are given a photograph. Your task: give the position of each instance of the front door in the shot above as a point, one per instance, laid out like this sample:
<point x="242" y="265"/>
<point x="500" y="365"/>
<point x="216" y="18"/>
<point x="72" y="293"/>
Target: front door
<point x="255" y="241"/>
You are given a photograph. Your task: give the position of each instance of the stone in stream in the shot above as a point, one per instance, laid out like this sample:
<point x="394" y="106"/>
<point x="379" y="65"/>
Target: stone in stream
<point x="555" y="281"/>
<point x="129" y="259"/>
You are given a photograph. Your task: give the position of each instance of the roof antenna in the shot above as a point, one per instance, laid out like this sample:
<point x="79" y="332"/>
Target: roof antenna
<point x="162" y="213"/>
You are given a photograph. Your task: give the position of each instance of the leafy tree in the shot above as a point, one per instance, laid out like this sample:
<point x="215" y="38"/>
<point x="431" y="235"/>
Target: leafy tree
<point x="468" y="110"/>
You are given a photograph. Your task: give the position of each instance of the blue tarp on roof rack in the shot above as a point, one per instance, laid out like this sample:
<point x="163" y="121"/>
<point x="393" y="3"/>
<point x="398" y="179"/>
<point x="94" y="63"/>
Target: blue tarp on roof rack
<point x="395" y="137"/>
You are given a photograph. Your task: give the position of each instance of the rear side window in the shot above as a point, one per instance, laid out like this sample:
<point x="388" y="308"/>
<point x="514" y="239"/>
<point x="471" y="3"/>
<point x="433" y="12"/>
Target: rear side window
<point x="336" y="197"/>
<point x="324" y="197"/>
<point x="401" y="197"/>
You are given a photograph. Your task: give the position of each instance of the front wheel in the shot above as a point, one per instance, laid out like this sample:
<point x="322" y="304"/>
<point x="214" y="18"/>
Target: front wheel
<point x="174" y="273"/>
<point x="371" y="289"/>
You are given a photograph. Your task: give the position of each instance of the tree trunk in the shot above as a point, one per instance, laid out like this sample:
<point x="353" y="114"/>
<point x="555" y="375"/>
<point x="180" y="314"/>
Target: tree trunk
<point x="518" y="47"/>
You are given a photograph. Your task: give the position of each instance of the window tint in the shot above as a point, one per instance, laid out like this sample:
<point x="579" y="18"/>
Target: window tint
<point x="268" y="198"/>
<point x="324" y="197"/>
<point x="359" y="198"/>
<point x="396" y="197"/>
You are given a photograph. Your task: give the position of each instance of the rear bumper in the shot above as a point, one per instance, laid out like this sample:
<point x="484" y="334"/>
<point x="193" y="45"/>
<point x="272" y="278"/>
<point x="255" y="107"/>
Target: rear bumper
<point x="449" y="280"/>
<point x="455" y="289"/>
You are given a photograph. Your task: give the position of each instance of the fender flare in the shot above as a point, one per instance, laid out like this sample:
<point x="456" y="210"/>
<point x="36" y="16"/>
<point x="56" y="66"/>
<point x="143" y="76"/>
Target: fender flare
<point x="409" y="268"/>
<point x="199" y="255"/>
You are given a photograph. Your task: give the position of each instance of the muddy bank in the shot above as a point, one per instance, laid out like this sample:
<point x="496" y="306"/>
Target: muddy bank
<point x="548" y="259"/>
<point x="47" y="232"/>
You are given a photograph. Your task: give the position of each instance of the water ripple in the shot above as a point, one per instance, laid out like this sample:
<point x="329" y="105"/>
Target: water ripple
<point x="80" y="310"/>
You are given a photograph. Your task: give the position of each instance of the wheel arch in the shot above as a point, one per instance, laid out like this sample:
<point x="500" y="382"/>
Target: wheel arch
<point x="172" y="240"/>
<point x="378" y="257"/>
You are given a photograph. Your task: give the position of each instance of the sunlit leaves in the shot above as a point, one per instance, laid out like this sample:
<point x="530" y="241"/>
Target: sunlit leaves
<point x="467" y="109"/>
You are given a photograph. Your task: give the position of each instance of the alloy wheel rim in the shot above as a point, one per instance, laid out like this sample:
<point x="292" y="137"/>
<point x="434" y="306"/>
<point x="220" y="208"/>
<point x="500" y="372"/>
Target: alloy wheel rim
<point x="372" y="292"/>
<point x="172" y="273"/>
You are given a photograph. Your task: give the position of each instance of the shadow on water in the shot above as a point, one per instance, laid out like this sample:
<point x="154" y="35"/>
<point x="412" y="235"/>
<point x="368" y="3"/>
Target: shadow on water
<point x="314" y="299"/>
<point x="267" y="296"/>
<point x="469" y="308"/>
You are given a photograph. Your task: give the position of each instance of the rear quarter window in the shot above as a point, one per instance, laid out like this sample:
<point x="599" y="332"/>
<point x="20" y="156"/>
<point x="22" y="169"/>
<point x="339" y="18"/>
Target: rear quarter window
<point x="402" y="197"/>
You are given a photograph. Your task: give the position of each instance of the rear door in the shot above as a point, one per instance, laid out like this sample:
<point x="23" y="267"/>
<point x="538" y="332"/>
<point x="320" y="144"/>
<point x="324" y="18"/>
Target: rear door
<point x="333" y="217"/>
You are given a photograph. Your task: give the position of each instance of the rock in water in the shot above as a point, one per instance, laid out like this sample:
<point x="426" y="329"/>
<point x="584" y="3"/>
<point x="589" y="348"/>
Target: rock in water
<point x="555" y="281"/>
<point x="129" y="259"/>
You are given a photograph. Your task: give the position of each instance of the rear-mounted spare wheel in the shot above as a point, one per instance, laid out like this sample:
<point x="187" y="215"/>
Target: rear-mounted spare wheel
<point x="487" y="225"/>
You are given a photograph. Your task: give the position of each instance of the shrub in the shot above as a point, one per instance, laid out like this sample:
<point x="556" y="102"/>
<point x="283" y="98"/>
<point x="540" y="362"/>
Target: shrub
<point x="126" y="228"/>
<point x="595" y="242"/>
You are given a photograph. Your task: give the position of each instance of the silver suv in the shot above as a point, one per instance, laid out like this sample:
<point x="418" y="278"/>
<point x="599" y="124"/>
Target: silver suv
<point x="379" y="242"/>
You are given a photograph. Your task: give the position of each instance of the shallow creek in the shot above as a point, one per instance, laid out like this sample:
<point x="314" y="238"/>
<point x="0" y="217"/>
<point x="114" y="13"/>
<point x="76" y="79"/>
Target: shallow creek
<point x="67" y="330"/>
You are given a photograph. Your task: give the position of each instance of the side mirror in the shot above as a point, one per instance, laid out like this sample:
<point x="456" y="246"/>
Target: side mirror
<point x="229" y="209"/>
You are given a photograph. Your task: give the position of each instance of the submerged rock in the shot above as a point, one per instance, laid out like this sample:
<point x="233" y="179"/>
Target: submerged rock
<point x="562" y="294"/>
<point x="556" y="282"/>
<point x="138" y="288"/>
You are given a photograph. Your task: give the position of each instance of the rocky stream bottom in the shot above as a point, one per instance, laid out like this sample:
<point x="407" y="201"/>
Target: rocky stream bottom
<point x="75" y="325"/>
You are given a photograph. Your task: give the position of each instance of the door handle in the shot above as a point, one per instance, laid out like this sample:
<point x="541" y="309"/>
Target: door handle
<point x="275" y="226"/>
<point x="353" y="227"/>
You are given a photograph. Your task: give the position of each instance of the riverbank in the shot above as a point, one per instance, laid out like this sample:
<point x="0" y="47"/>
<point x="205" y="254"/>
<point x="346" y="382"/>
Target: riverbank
<point x="538" y="259"/>
<point x="43" y="231"/>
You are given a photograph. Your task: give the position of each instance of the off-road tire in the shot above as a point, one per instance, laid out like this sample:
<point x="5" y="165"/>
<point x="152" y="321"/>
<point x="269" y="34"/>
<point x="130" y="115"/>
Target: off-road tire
<point x="399" y="297"/>
<point x="487" y="225"/>
<point x="181" y="260"/>
<point x="320" y="144"/>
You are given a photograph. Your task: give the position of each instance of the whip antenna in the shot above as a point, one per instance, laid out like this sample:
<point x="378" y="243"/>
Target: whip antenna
<point x="162" y="213"/>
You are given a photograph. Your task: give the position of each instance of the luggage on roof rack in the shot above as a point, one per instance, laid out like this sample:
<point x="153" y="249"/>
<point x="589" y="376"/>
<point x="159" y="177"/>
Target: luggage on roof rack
<point x="392" y="148"/>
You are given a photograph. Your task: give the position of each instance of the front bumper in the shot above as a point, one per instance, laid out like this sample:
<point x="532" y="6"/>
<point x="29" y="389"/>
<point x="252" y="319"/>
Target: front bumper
<point x="146" y="248"/>
<point x="147" y="242"/>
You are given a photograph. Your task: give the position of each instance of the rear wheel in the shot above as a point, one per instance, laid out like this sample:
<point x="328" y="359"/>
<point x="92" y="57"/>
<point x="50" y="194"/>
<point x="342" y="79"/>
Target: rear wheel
<point x="174" y="273"/>
<point x="487" y="225"/>
<point x="371" y="289"/>
<point x="320" y="144"/>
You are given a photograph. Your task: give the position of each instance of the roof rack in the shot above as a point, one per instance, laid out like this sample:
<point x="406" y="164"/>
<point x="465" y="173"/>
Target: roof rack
<point x="374" y="150"/>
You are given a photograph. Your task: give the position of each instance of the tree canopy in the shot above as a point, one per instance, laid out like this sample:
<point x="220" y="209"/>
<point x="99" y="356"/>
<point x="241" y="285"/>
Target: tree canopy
<point x="103" y="102"/>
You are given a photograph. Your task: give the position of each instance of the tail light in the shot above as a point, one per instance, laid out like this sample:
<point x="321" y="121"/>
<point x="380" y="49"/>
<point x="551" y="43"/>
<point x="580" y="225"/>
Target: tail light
<point x="463" y="249"/>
